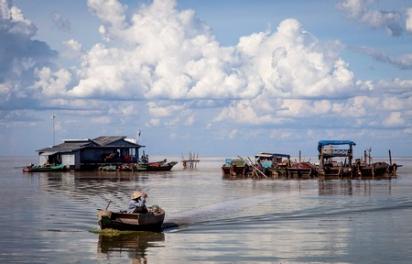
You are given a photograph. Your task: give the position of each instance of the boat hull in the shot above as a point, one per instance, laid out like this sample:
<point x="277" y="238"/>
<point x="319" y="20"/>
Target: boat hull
<point x="44" y="169"/>
<point x="129" y="227"/>
<point x="160" y="167"/>
<point x="151" y="221"/>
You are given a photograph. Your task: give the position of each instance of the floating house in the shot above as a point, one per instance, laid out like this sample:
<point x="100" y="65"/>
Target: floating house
<point x="91" y="153"/>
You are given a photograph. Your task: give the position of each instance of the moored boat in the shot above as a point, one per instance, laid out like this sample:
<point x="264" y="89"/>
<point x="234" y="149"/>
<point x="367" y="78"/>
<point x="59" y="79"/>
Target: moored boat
<point x="108" y="168"/>
<point x="158" y="166"/>
<point x="235" y="168"/>
<point x="302" y="170"/>
<point x="44" y="168"/>
<point x="150" y="221"/>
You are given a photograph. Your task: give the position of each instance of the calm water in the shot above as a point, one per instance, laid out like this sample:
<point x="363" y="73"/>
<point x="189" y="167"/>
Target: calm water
<point x="47" y="217"/>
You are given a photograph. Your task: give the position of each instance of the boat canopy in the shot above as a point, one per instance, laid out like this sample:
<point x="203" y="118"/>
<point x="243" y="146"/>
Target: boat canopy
<point x="271" y="155"/>
<point x="335" y="142"/>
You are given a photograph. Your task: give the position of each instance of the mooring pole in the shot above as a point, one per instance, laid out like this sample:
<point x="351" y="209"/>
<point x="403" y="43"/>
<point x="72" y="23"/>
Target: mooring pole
<point x="300" y="156"/>
<point x="370" y="157"/>
<point x="390" y="158"/>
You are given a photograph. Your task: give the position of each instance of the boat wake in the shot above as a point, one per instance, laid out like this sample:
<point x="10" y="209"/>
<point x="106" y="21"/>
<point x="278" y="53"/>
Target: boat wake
<point x="226" y="215"/>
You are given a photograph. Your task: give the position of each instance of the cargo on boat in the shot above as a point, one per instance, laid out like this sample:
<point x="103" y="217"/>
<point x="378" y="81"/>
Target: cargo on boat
<point x="335" y="161"/>
<point x="150" y="221"/>
<point x="268" y="165"/>
<point x="235" y="168"/>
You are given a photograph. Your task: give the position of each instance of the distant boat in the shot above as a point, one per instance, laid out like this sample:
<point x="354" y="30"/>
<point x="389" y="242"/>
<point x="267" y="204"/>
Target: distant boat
<point x="45" y="168"/>
<point x="150" y="221"/>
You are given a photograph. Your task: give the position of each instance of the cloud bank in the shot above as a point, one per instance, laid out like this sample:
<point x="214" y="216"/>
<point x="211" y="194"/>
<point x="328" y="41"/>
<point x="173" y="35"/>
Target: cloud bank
<point x="167" y="65"/>
<point x="361" y="11"/>
<point x="170" y="54"/>
<point x="20" y="56"/>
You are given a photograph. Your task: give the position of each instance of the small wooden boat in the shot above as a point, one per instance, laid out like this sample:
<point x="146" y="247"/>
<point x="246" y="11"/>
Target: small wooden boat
<point x="150" y="221"/>
<point x="45" y="168"/>
<point x="159" y="166"/>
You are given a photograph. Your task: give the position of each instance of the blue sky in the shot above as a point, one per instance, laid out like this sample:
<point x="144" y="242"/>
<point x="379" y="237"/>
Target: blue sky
<point x="214" y="77"/>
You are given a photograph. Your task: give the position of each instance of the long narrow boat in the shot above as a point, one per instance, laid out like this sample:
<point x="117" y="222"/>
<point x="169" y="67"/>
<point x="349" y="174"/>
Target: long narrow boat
<point x="159" y="166"/>
<point x="150" y="221"/>
<point x="45" y="168"/>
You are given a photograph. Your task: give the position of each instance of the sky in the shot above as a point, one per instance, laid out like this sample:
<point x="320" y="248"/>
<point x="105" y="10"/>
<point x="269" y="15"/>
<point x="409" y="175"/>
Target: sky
<point x="220" y="78"/>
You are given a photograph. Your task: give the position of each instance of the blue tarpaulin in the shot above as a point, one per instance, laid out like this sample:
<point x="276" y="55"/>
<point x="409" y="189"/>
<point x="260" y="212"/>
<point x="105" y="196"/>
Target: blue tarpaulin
<point x="266" y="164"/>
<point x="335" y="142"/>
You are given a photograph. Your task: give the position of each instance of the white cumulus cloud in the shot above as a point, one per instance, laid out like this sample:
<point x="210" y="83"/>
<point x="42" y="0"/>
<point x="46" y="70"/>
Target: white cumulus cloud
<point x="172" y="62"/>
<point x="167" y="53"/>
<point x="20" y="55"/>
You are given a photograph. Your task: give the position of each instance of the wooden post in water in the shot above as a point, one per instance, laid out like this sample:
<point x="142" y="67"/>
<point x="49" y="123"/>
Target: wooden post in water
<point x="390" y="158"/>
<point x="370" y="156"/>
<point x="300" y="156"/>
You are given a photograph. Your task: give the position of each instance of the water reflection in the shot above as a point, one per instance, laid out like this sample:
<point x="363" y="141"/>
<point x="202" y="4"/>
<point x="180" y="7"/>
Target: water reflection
<point x="134" y="245"/>
<point x="353" y="187"/>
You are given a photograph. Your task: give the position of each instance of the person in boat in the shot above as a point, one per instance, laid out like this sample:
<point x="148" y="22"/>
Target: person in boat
<point x="137" y="204"/>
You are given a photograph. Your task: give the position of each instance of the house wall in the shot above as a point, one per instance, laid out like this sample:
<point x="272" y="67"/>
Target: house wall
<point x="68" y="159"/>
<point x="77" y="160"/>
<point x="98" y="155"/>
<point x="94" y="155"/>
<point x="43" y="159"/>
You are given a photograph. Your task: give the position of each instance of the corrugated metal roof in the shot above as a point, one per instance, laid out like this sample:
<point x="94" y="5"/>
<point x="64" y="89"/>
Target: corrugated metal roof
<point x="72" y="145"/>
<point x="106" y="140"/>
<point x="66" y="147"/>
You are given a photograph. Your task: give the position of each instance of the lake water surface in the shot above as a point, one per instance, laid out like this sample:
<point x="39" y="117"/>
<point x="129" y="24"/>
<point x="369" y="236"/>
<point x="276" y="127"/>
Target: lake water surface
<point x="48" y="217"/>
